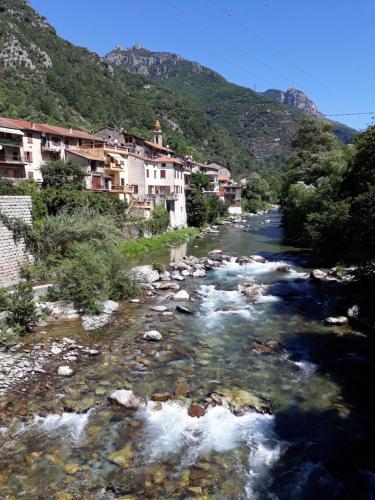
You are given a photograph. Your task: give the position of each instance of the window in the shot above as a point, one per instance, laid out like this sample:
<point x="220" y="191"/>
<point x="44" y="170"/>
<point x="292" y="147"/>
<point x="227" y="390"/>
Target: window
<point x="135" y="189"/>
<point x="29" y="137"/>
<point x="28" y="157"/>
<point x="122" y="181"/>
<point x="147" y="173"/>
<point x="162" y="174"/>
<point x="154" y="174"/>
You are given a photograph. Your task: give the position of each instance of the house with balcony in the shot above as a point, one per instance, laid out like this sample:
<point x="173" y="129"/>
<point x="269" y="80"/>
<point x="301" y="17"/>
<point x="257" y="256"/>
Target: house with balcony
<point x="12" y="163"/>
<point x="210" y="171"/>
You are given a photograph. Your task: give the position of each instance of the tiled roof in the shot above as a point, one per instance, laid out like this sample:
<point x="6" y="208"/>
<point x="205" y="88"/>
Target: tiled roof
<point x="84" y="154"/>
<point x="49" y="129"/>
<point x="156" y="146"/>
<point x="169" y="159"/>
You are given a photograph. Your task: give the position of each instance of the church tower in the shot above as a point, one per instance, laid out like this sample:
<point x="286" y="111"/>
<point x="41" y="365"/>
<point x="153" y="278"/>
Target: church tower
<point x="158" y="134"/>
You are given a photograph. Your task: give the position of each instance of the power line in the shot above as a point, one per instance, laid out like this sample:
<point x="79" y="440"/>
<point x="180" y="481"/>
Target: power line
<point x="352" y="114"/>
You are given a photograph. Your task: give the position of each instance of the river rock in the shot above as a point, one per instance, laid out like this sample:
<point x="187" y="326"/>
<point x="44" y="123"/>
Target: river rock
<point x="353" y="312"/>
<point x="160" y="396"/>
<point x="177" y="276"/>
<point x="270" y="346"/>
<point x="318" y="275"/>
<point x="163" y="285"/>
<point x="182" y="296"/>
<point x="258" y="258"/>
<point x="215" y="252"/>
<point x="146" y="274"/>
<point x="126" y="398"/>
<point x="196" y="410"/>
<point x="283" y="269"/>
<point x="199" y="273"/>
<point x="241" y="401"/>
<point x="153" y="335"/>
<point x="253" y="291"/>
<point x="165" y="276"/>
<point x="122" y="457"/>
<point x="183" y="309"/>
<point x="65" y="371"/>
<point x="186" y="272"/>
<point x="159" y="308"/>
<point x="94" y="322"/>
<point x="339" y="320"/>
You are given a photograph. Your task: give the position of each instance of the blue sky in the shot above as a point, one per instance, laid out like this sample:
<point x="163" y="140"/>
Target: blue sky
<point x="323" y="47"/>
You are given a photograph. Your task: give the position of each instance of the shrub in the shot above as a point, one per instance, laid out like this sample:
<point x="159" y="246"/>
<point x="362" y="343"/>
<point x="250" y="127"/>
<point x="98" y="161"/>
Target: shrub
<point x="83" y="277"/>
<point x="4" y="299"/>
<point x="22" y="312"/>
<point x="57" y="233"/>
<point x="91" y="274"/>
<point x="159" y="267"/>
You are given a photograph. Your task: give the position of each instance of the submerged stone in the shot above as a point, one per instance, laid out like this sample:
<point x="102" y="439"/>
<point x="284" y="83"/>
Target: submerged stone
<point x="340" y="320"/>
<point x="196" y="410"/>
<point x="65" y="371"/>
<point x="122" y="457"/>
<point x="160" y="396"/>
<point x="242" y="401"/>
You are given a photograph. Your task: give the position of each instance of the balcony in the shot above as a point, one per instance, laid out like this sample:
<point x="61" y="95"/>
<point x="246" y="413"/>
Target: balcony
<point x="113" y="166"/>
<point x="11" y="158"/>
<point x="116" y="188"/>
<point x="50" y="146"/>
<point x="10" y="142"/>
<point x="144" y="205"/>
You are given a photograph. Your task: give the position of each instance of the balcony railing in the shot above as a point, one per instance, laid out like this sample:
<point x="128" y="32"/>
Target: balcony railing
<point x="113" y="166"/>
<point x="146" y="204"/>
<point x="49" y="146"/>
<point x="117" y="188"/>
<point x="11" y="158"/>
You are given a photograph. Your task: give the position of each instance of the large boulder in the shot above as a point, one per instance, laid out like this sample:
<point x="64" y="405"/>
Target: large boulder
<point x="125" y="398"/>
<point x="146" y="274"/>
<point x="199" y="273"/>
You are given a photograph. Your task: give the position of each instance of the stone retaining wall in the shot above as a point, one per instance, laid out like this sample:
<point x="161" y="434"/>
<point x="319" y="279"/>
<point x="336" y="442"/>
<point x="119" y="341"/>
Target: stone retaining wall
<point x="12" y="253"/>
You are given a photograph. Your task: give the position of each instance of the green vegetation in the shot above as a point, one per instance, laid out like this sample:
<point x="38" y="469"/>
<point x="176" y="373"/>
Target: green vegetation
<point x="202" y="114"/>
<point x="329" y="195"/>
<point x="135" y="248"/>
<point x="202" y="209"/>
<point x="257" y="194"/>
<point x="21" y="313"/>
<point x="61" y="174"/>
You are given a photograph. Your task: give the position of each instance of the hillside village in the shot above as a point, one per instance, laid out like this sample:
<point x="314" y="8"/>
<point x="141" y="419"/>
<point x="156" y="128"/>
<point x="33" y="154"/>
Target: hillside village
<point x="143" y="173"/>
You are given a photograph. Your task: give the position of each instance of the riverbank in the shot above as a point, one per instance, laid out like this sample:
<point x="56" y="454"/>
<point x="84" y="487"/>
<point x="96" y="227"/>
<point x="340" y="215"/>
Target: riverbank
<point x="220" y="351"/>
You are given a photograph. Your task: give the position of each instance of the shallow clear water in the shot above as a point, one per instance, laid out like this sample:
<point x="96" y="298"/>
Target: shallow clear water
<point x="302" y="450"/>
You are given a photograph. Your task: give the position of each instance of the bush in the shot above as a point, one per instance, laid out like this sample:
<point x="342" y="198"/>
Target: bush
<point x="83" y="277"/>
<point x="4" y="300"/>
<point x="158" y="266"/>
<point x="196" y="207"/>
<point x="91" y="274"/>
<point x="57" y="233"/>
<point x="22" y="312"/>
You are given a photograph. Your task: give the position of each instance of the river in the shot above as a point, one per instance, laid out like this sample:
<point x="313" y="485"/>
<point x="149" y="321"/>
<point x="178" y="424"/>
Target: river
<point x="59" y="436"/>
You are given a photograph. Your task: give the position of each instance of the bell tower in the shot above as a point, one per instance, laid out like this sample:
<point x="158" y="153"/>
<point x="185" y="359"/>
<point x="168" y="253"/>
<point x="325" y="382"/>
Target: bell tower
<point x="158" y="134"/>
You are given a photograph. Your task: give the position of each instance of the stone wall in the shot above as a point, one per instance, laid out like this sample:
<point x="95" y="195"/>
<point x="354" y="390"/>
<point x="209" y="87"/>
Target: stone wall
<point x="12" y="253"/>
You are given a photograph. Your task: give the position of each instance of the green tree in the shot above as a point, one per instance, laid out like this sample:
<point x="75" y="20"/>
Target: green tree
<point x="61" y="174"/>
<point x="256" y="194"/>
<point x="196" y="207"/>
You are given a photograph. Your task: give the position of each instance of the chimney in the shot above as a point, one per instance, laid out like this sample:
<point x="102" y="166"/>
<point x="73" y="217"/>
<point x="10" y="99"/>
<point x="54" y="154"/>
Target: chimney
<point x="70" y="130"/>
<point x="33" y="125"/>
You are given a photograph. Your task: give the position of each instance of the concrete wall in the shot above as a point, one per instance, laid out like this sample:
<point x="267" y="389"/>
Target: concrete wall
<point x="12" y="253"/>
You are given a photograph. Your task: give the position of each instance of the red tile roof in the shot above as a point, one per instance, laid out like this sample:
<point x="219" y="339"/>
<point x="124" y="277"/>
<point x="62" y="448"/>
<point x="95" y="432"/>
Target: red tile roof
<point x="49" y="129"/>
<point x="168" y="159"/>
<point x="156" y="146"/>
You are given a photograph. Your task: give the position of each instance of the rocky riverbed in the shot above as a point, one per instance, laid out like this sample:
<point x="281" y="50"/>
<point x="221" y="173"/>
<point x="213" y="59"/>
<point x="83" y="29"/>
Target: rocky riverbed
<point x="212" y="384"/>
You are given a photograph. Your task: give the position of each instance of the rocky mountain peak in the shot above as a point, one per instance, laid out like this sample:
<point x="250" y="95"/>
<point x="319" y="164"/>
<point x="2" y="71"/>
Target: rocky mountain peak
<point x="294" y="98"/>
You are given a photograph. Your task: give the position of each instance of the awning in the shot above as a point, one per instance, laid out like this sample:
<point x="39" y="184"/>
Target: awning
<point x="11" y="131"/>
<point x="117" y="157"/>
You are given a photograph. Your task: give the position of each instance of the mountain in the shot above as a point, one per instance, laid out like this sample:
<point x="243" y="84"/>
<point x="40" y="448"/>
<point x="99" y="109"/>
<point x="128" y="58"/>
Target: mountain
<point x="45" y="78"/>
<point x="294" y="98"/>
<point x="264" y="122"/>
